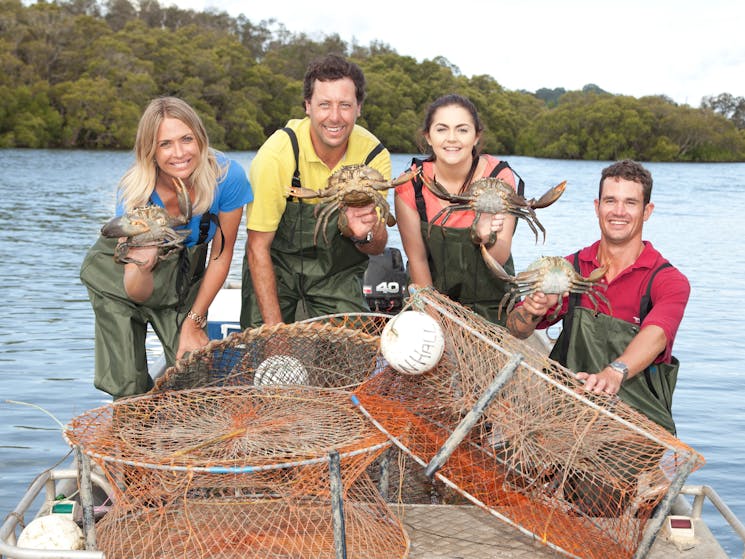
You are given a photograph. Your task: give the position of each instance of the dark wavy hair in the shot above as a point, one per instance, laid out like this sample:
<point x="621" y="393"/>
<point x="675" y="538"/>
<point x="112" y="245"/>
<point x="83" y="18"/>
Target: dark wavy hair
<point x="330" y="68"/>
<point x="447" y="101"/>
<point x="631" y="171"/>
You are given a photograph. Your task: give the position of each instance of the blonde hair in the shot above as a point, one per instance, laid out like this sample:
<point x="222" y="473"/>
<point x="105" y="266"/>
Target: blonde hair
<point x="138" y="182"/>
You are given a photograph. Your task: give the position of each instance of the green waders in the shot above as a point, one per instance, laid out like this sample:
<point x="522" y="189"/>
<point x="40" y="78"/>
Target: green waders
<point x="312" y="280"/>
<point x="596" y="340"/>
<point x="458" y="271"/>
<point x="121" y="324"/>
<point x="588" y="342"/>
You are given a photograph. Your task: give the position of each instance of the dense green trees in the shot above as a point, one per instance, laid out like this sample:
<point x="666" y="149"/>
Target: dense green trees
<point x="77" y="73"/>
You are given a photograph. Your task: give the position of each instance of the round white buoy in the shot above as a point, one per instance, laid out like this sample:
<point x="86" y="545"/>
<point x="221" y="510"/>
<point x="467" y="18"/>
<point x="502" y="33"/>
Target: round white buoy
<point x="52" y="532"/>
<point x="412" y="342"/>
<point x="280" y="369"/>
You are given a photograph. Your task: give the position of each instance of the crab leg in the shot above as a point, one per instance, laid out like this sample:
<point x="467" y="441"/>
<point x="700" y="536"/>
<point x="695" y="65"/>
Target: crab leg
<point x="184" y="202"/>
<point x="448" y="210"/>
<point x="323" y="216"/>
<point x="530" y="218"/>
<point x="594" y="295"/>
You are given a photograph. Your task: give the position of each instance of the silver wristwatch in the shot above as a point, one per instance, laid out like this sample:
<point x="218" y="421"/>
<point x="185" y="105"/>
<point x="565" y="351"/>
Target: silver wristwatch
<point x="621" y="367"/>
<point x="366" y="241"/>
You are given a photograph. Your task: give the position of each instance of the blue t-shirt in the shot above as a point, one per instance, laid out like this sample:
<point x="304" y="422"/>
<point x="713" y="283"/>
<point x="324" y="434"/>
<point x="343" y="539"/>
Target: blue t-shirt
<point x="232" y="192"/>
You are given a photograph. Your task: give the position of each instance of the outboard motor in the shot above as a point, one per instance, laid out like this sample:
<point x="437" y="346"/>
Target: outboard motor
<point x="385" y="281"/>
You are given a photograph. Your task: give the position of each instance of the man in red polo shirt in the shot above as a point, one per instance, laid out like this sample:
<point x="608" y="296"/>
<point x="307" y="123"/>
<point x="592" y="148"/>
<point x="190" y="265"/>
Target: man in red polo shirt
<point x="625" y="349"/>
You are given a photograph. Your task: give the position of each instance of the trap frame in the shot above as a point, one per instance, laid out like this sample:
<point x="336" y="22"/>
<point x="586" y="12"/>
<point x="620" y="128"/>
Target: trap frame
<point x="495" y="423"/>
<point x="236" y="472"/>
<point x="514" y="433"/>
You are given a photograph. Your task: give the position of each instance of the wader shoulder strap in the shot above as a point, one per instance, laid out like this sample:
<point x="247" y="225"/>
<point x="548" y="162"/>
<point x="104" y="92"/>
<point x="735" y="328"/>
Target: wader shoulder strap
<point x="504" y="165"/>
<point x="644" y="307"/>
<point x="646" y="304"/>
<point x="204" y="230"/>
<point x="296" y="151"/>
<point x="374" y="153"/>
<point x="561" y="349"/>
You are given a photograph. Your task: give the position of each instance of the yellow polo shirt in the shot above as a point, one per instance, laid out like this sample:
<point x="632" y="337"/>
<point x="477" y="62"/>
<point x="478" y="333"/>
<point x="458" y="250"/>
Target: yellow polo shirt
<point x="272" y="168"/>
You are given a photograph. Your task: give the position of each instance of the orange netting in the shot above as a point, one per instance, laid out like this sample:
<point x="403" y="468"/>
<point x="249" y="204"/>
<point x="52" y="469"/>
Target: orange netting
<point x="229" y="455"/>
<point x="237" y="472"/>
<point x="583" y="473"/>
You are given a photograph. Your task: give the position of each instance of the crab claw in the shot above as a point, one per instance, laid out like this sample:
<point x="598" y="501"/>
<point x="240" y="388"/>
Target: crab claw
<point x="113" y="228"/>
<point x="549" y="197"/>
<point x="495" y="267"/>
<point x="124" y="226"/>
<point x="596" y="274"/>
<point x="301" y="192"/>
<point x="405" y="177"/>
<point x="343" y="225"/>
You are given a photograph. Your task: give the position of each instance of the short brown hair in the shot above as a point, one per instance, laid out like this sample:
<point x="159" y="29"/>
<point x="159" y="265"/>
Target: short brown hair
<point x="330" y="68"/>
<point x="631" y="171"/>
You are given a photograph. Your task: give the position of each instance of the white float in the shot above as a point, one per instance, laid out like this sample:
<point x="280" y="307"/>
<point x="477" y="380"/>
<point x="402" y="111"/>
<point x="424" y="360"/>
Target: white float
<point x="54" y="531"/>
<point x="412" y="342"/>
<point x="280" y="369"/>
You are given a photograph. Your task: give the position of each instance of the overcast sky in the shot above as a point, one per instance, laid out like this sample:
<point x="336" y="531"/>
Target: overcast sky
<point x="678" y="48"/>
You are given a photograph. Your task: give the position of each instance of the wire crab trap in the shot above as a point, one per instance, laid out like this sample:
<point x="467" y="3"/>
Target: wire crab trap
<point x="513" y="432"/>
<point x="239" y="472"/>
<point x="335" y="351"/>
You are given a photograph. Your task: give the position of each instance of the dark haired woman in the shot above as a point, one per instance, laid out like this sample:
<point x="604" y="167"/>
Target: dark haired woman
<point x="447" y="258"/>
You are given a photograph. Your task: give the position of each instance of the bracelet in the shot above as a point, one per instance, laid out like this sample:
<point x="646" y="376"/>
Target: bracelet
<point x="199" y="319"/>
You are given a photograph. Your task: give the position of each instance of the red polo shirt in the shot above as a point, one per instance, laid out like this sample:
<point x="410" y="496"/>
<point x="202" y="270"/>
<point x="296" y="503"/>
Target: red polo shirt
<point x="669" y="294"/>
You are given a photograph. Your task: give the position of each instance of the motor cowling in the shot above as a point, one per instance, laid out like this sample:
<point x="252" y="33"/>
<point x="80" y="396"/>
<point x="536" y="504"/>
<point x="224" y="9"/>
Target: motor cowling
<point x="385" y="281"/>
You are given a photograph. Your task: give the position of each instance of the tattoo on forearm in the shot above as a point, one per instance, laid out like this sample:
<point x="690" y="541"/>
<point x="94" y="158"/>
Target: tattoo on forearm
<point x="517" y="321"/>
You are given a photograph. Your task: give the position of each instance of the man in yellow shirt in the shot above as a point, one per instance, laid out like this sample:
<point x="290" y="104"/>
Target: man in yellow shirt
<point x="285" y="274"/>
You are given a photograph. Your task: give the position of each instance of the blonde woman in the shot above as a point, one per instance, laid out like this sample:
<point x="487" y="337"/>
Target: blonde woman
<point x="172" y="294"/>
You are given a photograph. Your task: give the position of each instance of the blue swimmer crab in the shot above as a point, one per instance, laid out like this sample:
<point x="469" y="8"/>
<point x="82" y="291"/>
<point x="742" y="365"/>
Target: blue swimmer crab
<point x="353" y="186"/>
<point x="151" y="226"/>
<point x="493" y="195"/>
<point x="549" y="274"/>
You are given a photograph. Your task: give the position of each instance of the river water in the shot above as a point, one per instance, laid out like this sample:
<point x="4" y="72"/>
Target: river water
<point x="53" y="203"/>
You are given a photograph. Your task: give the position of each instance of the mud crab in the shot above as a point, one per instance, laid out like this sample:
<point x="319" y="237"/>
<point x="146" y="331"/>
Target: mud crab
<point x="550" y="274"/>
<point x="493" y="195"/>
<point x="353" y="186"/>
<point x="151" y="226"/>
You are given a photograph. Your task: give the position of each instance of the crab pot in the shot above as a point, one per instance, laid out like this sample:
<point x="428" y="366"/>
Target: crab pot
<point x="580" y="472"/>
<point x="239" y="472"/>
<point x="332" y="352"/>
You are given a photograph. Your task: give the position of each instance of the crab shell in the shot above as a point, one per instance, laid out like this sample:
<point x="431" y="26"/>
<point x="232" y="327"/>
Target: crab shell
<point x="151" y="226"/>
<point x="493" y="196"/>
<point x="549" y="274"/>
<point x="351" y="186"/>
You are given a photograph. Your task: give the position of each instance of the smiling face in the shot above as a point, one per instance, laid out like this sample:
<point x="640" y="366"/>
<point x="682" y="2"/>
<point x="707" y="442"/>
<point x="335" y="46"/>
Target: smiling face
<point x="452" y="135"/>
<point x="177" y="149"/>
<point x="333" y="109"/>
<point x="621" y="210"/>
